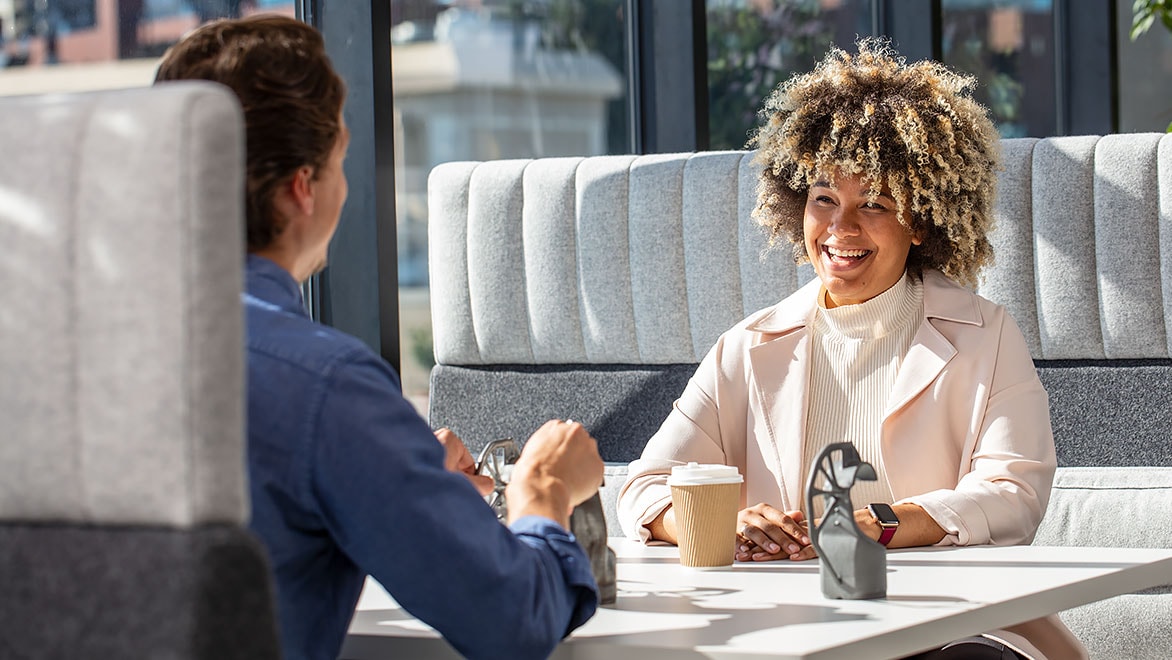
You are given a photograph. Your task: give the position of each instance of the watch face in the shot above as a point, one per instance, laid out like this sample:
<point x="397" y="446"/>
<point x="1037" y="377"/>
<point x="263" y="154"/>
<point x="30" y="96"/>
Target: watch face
<point x="883" y="513"/>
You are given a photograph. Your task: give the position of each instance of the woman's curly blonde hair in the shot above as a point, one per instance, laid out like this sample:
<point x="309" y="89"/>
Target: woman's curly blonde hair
<point x="912" y="127"/>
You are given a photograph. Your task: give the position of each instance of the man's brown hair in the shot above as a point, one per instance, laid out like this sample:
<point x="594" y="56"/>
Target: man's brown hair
<point x="291" y="95"/>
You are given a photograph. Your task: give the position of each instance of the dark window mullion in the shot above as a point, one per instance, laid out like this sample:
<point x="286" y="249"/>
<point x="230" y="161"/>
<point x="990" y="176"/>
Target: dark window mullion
<point x="345" y="295"/>
<point x="669" y="73"/>
<point x="1085" y="68"/>
<point x="914" y="27"/>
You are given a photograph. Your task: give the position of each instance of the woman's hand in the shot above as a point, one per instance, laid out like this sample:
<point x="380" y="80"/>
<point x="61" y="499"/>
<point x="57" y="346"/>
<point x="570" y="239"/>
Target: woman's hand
<point x="766" y="534"/>
<point x="457" y="459"/>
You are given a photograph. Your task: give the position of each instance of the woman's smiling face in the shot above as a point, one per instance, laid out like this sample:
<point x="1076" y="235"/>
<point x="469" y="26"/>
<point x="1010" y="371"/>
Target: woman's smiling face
<point x="856" y="243"/>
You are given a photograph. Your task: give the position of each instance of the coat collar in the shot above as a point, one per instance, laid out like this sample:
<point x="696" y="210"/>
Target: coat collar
<point x="796" y="310"/>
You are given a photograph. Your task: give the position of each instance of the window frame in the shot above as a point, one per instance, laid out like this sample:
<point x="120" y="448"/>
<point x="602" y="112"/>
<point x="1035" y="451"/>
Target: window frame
<point x="344" y="294"/>
<point x="668" y="105"/>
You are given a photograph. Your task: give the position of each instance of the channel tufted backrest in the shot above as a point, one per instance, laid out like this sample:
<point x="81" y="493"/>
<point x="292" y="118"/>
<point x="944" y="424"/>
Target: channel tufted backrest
<point x="1084" y="245"/>
<point x="604" y="260"/>
<point x="121" y="256"/>
<point x="123" y="497"/>
<point x="646" y="260"/>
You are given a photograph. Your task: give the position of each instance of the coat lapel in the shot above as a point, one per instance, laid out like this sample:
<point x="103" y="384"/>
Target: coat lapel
<point x="924" y="361"/>
<point x="930" y="351"/>
<point x="780" y="374"/>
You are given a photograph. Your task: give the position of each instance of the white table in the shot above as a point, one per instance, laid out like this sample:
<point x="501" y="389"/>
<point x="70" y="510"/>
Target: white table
<point x="776" y="609"/>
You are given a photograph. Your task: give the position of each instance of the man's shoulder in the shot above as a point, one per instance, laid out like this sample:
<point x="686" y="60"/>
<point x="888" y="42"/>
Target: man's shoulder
<point x="298" y="341"/>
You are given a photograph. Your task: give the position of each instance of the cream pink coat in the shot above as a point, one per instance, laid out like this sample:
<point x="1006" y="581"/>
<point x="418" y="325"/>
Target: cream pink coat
<point x="966" y="433"/>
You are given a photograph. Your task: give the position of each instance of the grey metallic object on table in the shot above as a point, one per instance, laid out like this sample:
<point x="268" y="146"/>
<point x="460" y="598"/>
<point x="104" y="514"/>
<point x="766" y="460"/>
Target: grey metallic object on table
<point x="853" y="566"/>
<point x="587" y="522"/>
<point x="495" y="461"/>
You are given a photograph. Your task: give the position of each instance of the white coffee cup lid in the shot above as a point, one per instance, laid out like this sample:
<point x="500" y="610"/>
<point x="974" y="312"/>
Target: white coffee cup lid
<point x="696" y="474"/>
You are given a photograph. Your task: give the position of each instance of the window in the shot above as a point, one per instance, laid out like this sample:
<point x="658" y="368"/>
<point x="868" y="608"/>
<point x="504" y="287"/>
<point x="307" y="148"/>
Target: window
<point x="493" y="80"/>
<point x="1145" y="67"/>
<point x="755" y="46"/>
<point x="1009" y="46"/>
<point x="68" y="45"/>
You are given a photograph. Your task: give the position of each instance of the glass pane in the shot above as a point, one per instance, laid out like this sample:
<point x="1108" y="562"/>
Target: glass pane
<point x="1009" y="46"/>
<point x="1145" y="67"/>
<point x="490" y="79"/>
<point x="78" y="45"/>
<point x="754" y="46"/>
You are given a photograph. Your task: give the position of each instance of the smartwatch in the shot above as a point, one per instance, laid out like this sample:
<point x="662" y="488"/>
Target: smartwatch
<point x="888" y="521"/>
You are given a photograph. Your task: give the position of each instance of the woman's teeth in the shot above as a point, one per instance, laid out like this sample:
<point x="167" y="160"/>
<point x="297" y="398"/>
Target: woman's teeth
<point x="846" y="254"/>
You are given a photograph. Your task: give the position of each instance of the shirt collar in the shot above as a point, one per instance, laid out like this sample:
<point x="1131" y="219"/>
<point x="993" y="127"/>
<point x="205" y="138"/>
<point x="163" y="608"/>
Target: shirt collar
<point x="268" y="282"/>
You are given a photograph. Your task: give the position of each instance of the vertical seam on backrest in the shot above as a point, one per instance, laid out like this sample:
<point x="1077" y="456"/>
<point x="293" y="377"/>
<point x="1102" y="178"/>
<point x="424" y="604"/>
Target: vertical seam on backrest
<point x="738" y="237"/>
<point x="630" y="270"/>
<point x="683" y="274"/>
<point x="192" y="498"/>
<point x="1095" y="222"/>
<point x="468" y="261"/>
<point x="578" y="283"/>
<point x="578" y="272"/>
<point x="524" y="264"/>
<point x="1161" y="256"/>
<point x="575" y="268"/>
<point x="74" y="248"/>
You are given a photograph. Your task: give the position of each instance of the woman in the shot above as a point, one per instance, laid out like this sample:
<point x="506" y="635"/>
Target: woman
<point x="881" y="175"/>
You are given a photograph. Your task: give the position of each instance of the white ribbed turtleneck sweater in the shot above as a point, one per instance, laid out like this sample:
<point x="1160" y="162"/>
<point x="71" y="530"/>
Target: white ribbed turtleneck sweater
<point x="857" y="350"/>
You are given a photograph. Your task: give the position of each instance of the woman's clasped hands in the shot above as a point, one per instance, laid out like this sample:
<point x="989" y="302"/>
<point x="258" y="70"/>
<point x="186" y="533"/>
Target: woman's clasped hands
<point x="768" y="534"/>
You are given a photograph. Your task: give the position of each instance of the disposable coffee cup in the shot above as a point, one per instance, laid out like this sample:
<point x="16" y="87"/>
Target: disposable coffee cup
<point x="706" y="499"/>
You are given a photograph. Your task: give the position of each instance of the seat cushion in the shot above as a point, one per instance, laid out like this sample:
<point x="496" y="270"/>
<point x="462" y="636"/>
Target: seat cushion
<point x="75" y="592"/>
<point x="621" y="405"/>
<point x="1110" y="412"/>
<point x="1115" y="507"/>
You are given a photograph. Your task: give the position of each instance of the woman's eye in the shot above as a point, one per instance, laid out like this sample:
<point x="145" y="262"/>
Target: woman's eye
<point x="874" y="206"/>
<point x="823" y="199"/>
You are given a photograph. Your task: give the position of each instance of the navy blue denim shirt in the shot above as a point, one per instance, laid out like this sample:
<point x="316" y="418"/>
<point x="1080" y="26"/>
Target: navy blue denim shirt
<point x="346" y="479"/>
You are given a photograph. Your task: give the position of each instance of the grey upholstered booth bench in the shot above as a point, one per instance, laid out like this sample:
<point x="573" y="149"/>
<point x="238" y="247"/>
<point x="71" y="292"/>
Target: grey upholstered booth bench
<point x="123" y="490"/>
<point x="590" y="288"/>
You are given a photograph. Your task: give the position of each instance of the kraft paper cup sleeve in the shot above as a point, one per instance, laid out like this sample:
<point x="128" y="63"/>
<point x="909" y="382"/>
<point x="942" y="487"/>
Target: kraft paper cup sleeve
<point x="706" y="521"/>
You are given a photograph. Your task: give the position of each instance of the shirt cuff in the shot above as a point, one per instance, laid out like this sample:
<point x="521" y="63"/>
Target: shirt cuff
<point x="574" y="563"/>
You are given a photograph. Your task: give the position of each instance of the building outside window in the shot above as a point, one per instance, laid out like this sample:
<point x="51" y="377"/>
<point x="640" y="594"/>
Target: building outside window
<point x="77" y="45"/>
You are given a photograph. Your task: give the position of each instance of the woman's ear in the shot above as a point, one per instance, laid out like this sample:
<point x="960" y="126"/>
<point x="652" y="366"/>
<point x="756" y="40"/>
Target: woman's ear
<point x="917" y="234"/>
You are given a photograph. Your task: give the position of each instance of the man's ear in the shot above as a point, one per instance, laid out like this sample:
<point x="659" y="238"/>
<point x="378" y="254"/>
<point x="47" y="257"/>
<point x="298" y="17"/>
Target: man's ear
<point x="301" y="189"/>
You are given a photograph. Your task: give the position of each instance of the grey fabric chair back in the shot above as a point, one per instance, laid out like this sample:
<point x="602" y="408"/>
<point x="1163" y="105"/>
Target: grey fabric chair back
<point x="591" y="287"/>
<point x="123" y="497"/>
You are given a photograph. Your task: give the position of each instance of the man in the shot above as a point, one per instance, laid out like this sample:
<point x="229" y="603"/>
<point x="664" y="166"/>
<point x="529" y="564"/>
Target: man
<point x="346" y="479"/>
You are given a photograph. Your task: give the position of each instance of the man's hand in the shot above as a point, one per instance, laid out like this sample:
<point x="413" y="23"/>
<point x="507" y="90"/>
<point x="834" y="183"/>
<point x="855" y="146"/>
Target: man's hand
<point x="559" y="468"/>
<point x="765" y="534"/>
<point x="457" y="459"/>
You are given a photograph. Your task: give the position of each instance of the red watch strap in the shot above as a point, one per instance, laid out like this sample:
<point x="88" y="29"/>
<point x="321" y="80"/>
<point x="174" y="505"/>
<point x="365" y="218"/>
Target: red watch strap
<point x="887" y="534"/>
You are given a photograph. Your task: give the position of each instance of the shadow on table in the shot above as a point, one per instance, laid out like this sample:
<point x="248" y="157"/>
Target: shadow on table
<point x="895" y="561"/>
<point x="719" y="625"/>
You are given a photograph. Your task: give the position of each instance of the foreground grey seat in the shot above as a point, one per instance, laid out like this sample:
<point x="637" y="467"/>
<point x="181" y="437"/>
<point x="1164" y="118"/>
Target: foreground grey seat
<point x="591" y="288"/>
<point x="123" y="498"/>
